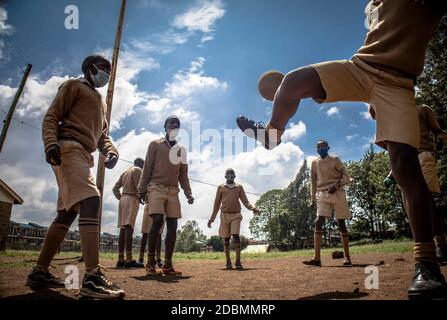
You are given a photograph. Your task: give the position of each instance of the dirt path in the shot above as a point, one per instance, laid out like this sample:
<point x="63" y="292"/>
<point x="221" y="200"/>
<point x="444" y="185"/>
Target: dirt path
<point x="282" y="278"/>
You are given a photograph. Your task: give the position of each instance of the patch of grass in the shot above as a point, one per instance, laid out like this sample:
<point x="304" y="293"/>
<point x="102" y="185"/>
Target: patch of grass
<point x="19" y="259"/>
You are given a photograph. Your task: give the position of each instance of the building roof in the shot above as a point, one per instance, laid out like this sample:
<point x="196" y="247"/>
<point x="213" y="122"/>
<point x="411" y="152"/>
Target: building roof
<point x="12" y="193"/>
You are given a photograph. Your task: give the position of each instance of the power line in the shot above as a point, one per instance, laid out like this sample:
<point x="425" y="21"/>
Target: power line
<point x="15" y="49"/>
<point x="131" y="162"/>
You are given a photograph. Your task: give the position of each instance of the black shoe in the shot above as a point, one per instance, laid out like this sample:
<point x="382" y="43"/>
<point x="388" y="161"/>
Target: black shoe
<point x="96" y="285"/>
<point x="441" y="254"/>
<point x="256" y="130"/>
<point x="346" y="263"/>
<point x="159" y="263"/>
<point x="428" y="282"/>
<point x="229" y="265"/>
<point x="239" y="266"/>
<point x="312" y="262"/>
<point x="120" y="264"/>
<point x="133" y="264"/>
<point x="44" y="278"/>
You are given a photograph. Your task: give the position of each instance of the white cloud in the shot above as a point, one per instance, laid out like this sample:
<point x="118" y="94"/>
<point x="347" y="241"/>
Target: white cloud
<point x="366" y="115"/>
<point x="5" y="29"/>
<point x="294" y="131"/>
<point x="351" y="137"/>
<point x="333" y="111"/>
<point x="183" y="92"/>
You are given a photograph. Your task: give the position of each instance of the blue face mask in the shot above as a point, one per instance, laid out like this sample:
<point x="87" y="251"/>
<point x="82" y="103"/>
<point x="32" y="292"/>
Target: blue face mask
<point x="323" y="152"/>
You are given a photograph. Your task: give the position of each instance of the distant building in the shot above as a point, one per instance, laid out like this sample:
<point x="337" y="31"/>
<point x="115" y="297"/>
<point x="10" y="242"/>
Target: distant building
<point x="8" y="198"/>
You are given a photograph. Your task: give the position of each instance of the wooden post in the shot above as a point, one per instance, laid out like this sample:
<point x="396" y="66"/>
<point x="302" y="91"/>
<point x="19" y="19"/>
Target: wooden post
<point x="109" y="99"/>
<point x="12" y="108"/>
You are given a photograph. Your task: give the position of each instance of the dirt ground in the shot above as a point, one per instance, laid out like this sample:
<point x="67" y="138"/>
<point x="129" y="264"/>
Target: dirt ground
<point x="281" y="278"/>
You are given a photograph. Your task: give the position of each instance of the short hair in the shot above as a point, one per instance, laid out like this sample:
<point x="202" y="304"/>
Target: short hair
<point x="173" y="117"/>
<point x="93" y="59"/>
<point x="322" y="141"/>
<point x="137" y="161"/>
<point x="229" y="170"/>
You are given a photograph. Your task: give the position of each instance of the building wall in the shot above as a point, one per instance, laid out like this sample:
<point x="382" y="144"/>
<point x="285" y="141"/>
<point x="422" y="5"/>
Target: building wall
<point x="5" y="196"/>
<point x="5" y="215"/>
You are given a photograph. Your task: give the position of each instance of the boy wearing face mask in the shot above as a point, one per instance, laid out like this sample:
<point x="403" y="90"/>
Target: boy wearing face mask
<point x="74" y="127"/>
<point x="328" y="177"/>
<point x="127" y="212"/>
<point x="227" y="200"/>
<point x="164" y="168"/>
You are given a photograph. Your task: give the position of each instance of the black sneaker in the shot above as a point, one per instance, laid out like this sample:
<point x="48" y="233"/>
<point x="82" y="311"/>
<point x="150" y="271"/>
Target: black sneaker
<point x="441" y="254"/>
<point x="120" y="264"/>
<point x="133" y="264"/>
<point x="346" y="263"/>
<point x="229" y="265"/>
<point x="159" y="263"/>
<point x="44" y="278"/>
<point x="428" y="282"/>
<point x="256" y="130"/>
<point x="238" y="265"/>
<point x="312" y="262"/>
<point x="96" y="285"/>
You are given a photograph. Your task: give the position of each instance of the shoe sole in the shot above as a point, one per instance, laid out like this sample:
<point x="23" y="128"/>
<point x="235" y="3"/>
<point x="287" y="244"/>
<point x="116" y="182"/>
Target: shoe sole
<point x="32" y="283"/>
<point x="84" y="292"/>
<point x="424" y="295"/>
<point x="172" y="274"/>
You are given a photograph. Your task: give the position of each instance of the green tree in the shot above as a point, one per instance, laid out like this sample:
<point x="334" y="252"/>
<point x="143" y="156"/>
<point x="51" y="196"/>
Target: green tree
<point x="216" y="242"/>
<point x="190" y="238"/>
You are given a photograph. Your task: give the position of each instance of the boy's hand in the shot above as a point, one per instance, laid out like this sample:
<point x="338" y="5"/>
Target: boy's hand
<point x="190" y="199"/>
<point x="111" y="160"/>
<point x="53" y="155"/>
<point x="332" y="189"/>
<point x="142" y="197"/>
<point x="209" y="224"/>
<point x="256" y="211"/>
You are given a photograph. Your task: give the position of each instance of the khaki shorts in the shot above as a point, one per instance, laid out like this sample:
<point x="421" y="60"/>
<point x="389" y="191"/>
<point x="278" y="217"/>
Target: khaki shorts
<point x="74" y="178"/>
<point x="429" y="170"/>
<point x="336" y="202"/>
<point x="230" y="223"/>
<point x="127" y="211"/>
<point x="164" y="200"/>
<point x="391" y="97"/>
<point x="147" y="221"/>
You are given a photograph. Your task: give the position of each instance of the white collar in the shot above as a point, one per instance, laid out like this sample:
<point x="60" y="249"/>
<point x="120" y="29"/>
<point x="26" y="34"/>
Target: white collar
<point x="231" y="186"/>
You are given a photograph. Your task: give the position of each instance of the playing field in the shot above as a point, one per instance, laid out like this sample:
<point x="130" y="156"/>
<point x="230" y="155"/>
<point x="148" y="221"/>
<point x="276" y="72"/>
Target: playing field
<point x="275" y="275"/>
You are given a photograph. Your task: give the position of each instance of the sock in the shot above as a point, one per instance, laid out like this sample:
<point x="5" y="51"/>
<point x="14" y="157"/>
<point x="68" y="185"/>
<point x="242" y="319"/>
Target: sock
<point x="121" y="257"/>
<point x="273" y="133"/>
<point x="89" y="232"/>
<point x="227" y="250"/>
<point x="424" y="252"/>
<point x="318" y="236"/>
<point x="237" y="249"/>
<point x="53" y="239"/>
<point x="129" y="256"/>
<point x="151" y="259"/>
<point x="345" y="242"/>
<point x="440" y="241"/>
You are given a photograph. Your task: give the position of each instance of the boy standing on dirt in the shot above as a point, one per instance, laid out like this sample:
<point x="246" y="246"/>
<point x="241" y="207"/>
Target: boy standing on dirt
<point x="73" y="127"/>
<point x="164" y="168"/>
<point x="328" y="177"/>
<point x="127" y="212"/>
<point x="227" y="200"/>
<point x="381" y="73"/>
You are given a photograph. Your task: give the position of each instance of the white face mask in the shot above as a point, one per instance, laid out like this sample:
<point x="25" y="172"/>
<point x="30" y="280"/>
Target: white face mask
<point x="172" y="133"/>
<point x="101" y="77"/>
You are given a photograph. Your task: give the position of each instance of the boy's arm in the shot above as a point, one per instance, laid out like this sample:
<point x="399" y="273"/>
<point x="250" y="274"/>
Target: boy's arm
<point x="60" y="105"/>
<point x="217" y="203"/>
<point x="313" y="182"/>
<point x="105" y="144"/>
<point x="136" y="175"/>
<point x="117" y="187"/>
<point x="147" y="168"/>
<point x="184" y="180"/>
<point x="244" y="200"/>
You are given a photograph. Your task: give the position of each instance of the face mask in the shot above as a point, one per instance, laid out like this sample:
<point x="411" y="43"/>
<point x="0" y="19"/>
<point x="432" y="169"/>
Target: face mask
<point x="172" y="133"/>
<point x="101" y="77"/>
<point x="323" y="152"/>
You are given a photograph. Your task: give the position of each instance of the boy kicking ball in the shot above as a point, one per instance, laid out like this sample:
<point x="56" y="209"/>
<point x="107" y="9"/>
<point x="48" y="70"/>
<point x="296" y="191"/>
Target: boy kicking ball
<point x="227" y="200"/>
<point x="381" y="73"/>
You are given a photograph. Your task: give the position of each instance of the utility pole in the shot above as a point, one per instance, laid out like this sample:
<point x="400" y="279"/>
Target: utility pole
<point x="100" y="175"/>
<point x="12" y="108"/>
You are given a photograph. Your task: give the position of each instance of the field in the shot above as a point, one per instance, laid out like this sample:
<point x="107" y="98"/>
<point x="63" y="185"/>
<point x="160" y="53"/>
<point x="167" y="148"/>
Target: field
<point x="273" y="275"/>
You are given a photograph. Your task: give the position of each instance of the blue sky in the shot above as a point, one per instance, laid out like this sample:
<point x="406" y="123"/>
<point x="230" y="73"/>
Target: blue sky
<point x="200" y="59"/>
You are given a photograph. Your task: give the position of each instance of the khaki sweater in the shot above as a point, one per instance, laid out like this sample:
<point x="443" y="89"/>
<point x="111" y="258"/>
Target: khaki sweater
<point x="165" y="165"/>
<point x="77" y="113"/>
<point x="227" y="199"/>
<point x="128" y="180"/>
<point x="327" y="172"/>
<point x="397" y="43"/>
<point x="428" y="125"/>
